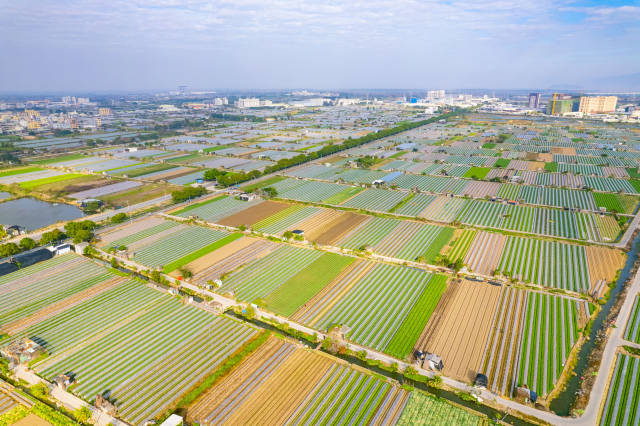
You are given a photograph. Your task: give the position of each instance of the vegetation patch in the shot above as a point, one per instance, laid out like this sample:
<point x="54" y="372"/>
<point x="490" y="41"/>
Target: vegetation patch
<point x="267" y="182"/>
<point x="477" y="173"/>
<point x="288" y="298"/>
<point x="19" y="171"/>
<point x="432" y="252"/>
<point x="201" y="252"/>
<point x="343" y="195"/>
<point x="551" y="166"/>
<point x="33" y="184"/>
<point x="409" y="331"/>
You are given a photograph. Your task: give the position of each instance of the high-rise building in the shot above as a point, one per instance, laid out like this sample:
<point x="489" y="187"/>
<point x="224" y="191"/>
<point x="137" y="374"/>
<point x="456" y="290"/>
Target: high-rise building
<point x="534" y="100"/>
<point x="560" y="104"/>
<point x="598" y="104"/>
<point x="435" y="94"/>
<point x="104" y="111"/>
<point x="248" y="103"/>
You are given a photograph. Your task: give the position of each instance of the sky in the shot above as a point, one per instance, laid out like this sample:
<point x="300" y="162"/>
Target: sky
<point x="140" y="45"/>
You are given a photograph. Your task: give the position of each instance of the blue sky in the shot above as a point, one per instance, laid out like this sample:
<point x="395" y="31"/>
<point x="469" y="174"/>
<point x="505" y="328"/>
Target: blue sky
<point x="253" y="44"/>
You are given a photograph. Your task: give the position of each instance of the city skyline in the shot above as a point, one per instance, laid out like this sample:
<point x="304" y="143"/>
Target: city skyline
<point x="149" y="45"/>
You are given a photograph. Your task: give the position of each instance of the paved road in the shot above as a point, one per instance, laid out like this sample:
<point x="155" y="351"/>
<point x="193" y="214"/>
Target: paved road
<point x="628" y="233"/>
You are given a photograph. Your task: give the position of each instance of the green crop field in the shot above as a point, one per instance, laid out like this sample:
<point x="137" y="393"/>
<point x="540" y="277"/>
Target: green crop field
<point x="408" y="333"/>
<point x="343" y="195"/>
<point x="608" y="201"/>
<point x="437" y="245"/>
<point x="551" y="166"/>
<point x="263" y="184"/>
<point x="477" y="173"/>
<point x="623" y="399"/>
<point x="287" y="298"/>
<point x="59" y="159"/>
<point x="200" y="252"/>
<point x="34" y="184"/>
<point x="19" y="171"/>
<point x="502" y="162"/>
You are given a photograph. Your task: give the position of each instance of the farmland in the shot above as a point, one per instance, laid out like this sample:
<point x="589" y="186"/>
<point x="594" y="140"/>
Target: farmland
<point x="281" y="383"/>
<point x="421" y="409"/>
<point x="632" y="332"/>
<point x="623" y="397"/>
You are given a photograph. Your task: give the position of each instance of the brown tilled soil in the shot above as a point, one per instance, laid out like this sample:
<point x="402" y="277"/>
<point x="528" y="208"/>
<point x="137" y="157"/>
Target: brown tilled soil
<point x="336" y="229"/>
<point x="317" y="224"/>
<point x="535" y="165"/>
<point x="459" y="327"/>
<point x="61" y="306"/>
<point x="88" y="185"/>
<point x="545" y="157"/>
<point x="279" y="395"/>
<point x="254" y="214"/>
<point x="485" y="252"/>
<point x="531" y="156"/>
<point x="204" y="405"/>
<point x="215" y="256"/>
<point x="170" y="174"/>
<point x="561" y="150"/>
<point x="603" y="263"/>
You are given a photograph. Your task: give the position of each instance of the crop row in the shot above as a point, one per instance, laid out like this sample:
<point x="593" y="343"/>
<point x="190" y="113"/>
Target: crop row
<point x="262" y="276"/>
<point x="551" y="329"/>
<point x="375" y="200"/>
<point x="345" y="396"/>
<point x="423" y="410"/>
<point x="177" y="245"/>
<point x="285" y="219"/>
<point x="546" y="263"/>
<point x="374" y="307"/>
<point x="215" y="209"/>
<point x="632" y="332"/>
<point x="623" y="399"/>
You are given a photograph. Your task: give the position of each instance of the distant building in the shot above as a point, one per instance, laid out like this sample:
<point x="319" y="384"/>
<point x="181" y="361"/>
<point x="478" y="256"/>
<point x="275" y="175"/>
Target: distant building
<point x="248" y="103"/>
<point x="534" y="100"/>
<point x="560" y="104"/>
<point x="104" y="111"/>
<point x="435" y="94"/>
<point x="598" y="104"/>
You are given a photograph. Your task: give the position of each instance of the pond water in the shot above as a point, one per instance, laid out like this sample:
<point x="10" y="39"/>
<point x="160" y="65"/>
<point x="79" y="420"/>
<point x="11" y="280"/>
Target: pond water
<point x="4" y="195"/>
<point x="33" y="214"/>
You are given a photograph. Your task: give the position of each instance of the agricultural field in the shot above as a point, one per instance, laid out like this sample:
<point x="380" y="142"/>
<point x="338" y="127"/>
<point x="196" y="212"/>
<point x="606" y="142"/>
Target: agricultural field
<point x="459" y="327"/>
<point x="385" y="309"/>
<point x="422" y="410"/>
<point x="632" y="332"/>
<point x="281" y="383"/>
<point x="623" y="398"/>
<point x="36" y="292"/>
<point x="375" y="200"/>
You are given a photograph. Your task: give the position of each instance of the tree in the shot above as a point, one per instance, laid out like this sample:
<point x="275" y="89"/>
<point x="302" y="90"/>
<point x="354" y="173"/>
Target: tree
<point x="270" y="192"/>
<point x="114" y="263"/>
<point x="9" y="249"/>
<point x="187" y="193"/>
<point x="119" y="218"/>
<point x="185" y="272"/>
<point x="155" y="276"/>
<point x="27" y="243"/>
<point x="91" y="207"/>
<point x="83" y="414"/>
<point x="52" y="237"/>
<point x="80" y="231"/>
<point x="3" y="232"/>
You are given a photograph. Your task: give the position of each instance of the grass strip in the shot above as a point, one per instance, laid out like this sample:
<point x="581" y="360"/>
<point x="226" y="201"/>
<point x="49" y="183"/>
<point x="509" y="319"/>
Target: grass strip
<point x="551" y="166"/>
<point x="343" y="195"/>
<point x="146" y="170"/>
<point x="60" y="159"/>
<point x="300" y="288"/>
<point x="409" y="331"/>
<point x="201" y="252"/>
<point x="402" y="203"/>
<point x="19" y="171"/>
<point x="196" y="205"/>
<point x="438" y="244"/>
<point x="32" y="184"/>
<point x="263" y="184"/>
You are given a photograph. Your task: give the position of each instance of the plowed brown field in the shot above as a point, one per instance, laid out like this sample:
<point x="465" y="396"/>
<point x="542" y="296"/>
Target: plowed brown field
<point x="278" y="396"/>
<point x="128" y="229"/>
<point x="459" y="327"/>
<point x="603" y="263"/>
<point x="336" y="229"/>
<point x="317" y="224"/>
<point x="485" y="251"/>
<point x="216" y="256"/>
<point x="254" y="214"/>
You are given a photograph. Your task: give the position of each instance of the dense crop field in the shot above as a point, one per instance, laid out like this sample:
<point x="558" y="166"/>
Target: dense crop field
<point x="178" y="245"/>
<point x="288" y="298"/>
<point x="632" y="332"/>
<point x="156" y="352"/>
<point x="285" y="219"/>
<point x="49" y="283"/>
<point x="422" y="410"/>
<point x="546" y="263"/>
<point x="376" y="200"/>
<point x="33" y="184"/>
<point x="260" y="277"/>
<point x="623" y="399"/>
<point x="551" y="329"/>
<point x="376" y="306"/>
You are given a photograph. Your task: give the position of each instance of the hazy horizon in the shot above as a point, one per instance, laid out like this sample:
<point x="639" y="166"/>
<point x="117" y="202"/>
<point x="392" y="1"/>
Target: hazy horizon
<point x="274" y="44"/>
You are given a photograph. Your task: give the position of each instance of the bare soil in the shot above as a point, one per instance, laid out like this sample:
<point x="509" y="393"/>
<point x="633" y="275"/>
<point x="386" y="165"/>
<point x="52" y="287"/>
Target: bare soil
<point x="336" y="229"/>
<point x="254" y="214"/>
